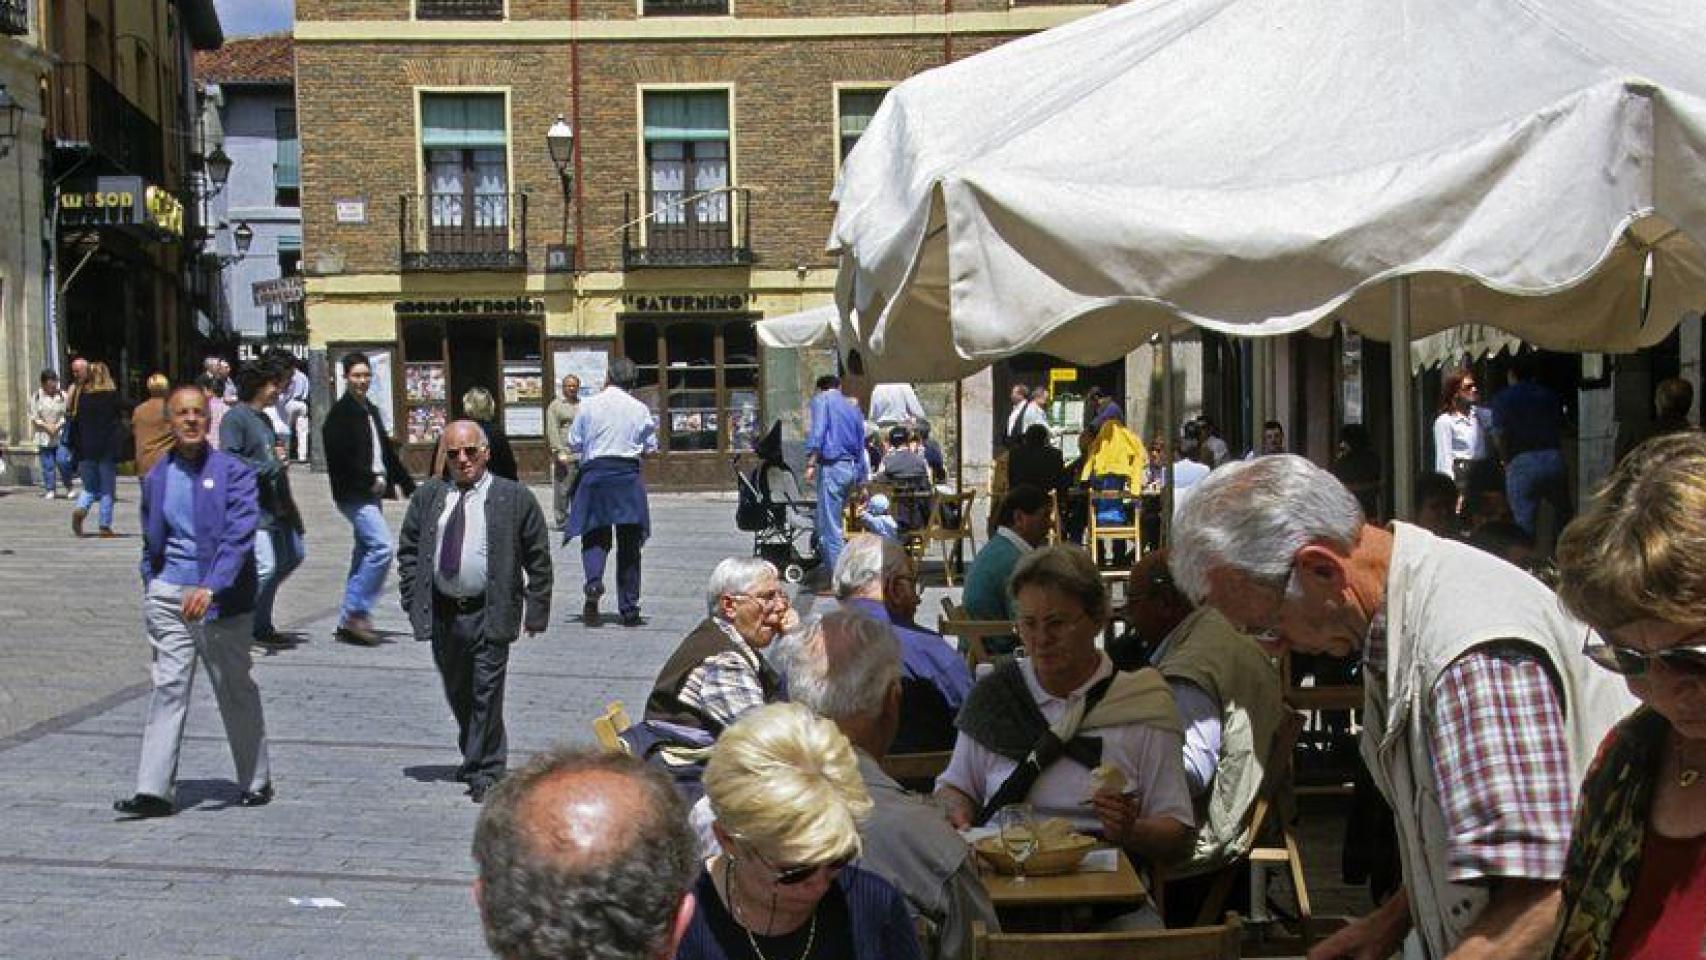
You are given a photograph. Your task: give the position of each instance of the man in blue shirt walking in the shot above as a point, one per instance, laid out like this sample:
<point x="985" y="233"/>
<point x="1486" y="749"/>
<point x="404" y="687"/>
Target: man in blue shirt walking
<point x="835" y="456"/>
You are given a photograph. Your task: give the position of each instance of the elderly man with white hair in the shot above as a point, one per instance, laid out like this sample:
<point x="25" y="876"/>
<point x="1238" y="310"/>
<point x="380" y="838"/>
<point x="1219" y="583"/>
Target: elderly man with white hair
<point x="718" y="671"/>
<point x="847" y="669"/>
<point x="875" y="576"/>
<point x="1481" y="715"/>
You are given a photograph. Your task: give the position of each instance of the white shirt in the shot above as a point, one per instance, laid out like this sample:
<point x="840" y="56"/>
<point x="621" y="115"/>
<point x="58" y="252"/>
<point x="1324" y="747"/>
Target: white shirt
<point x="1458" y="436"/>
<point x="1023" y="416"/>
<point x="378" y="447"/>
<point x="1148" y="756"/>
<point x="470" y="580"/>
<point x="893" y="403"/>
<point x="1186" y="474"/>
<point x="612" y="424"/>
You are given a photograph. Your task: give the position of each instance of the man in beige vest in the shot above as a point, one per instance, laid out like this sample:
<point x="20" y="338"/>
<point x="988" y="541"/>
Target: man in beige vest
<point x="1481" y="714"/>
<point x="1231" y="705"/>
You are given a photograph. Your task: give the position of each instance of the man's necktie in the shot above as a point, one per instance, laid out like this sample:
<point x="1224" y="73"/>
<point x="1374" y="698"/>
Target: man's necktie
<point x="450" y="549"/>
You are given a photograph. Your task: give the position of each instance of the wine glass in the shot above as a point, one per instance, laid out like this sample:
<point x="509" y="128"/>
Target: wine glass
<point x="1018" y="833"/>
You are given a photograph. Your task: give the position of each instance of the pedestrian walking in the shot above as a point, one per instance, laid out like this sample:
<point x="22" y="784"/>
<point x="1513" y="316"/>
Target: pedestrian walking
<point x="610" y="434"/>
<point x="199" y="511"/>
<point x="835" y="455"/>
<point x="151" y="427"/>
<point x="291" y="407"/>
<point x="565" y="465"/>
<point x="363" y="469"/>
<point x="465" y="549"/>
<point x="47" y="420"/>
<point x="1528" y="420"/>
<point x="97" y="433"/>
<point x="247" y="434"/>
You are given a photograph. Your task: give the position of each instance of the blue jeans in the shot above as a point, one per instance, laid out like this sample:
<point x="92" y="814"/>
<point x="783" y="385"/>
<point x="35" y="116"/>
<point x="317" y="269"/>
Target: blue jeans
<point x="370" y="559"/>
<point x="835" y="482"/>
<point x="100" y="479"/>
<point x="1533" y="476"/>
<point x="277" y="555"/>
<point x="55" y="465"/>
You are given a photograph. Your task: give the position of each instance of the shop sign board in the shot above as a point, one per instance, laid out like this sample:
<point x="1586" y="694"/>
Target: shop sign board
<point x="279" y="292"/>
<point x="690" y="303"/>
<point x="122" y="202"/>
<point x="466" y="307"/>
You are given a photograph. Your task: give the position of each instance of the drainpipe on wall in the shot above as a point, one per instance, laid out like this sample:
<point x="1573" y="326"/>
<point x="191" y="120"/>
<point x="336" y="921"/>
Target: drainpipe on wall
<point x="580" y="136"/>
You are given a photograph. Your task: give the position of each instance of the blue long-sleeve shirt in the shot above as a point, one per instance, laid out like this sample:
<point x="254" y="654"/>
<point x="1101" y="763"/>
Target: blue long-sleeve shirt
<point x="837" y="432"/>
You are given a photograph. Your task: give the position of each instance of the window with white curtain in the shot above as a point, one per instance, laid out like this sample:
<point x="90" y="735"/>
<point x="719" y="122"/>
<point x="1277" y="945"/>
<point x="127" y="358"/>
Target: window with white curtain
<point x="687" y="157"/>
<point x="465" y="143"/>
<point x="856" y="108"/>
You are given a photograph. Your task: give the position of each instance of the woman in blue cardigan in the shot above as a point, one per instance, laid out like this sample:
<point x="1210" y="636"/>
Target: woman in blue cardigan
<point x="784" y="786"/>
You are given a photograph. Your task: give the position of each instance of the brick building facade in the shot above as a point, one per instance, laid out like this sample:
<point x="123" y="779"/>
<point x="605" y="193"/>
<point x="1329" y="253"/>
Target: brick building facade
<point x="439" y="236"/>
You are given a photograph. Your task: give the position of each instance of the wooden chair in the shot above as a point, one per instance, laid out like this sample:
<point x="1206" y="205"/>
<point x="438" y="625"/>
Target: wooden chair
<point x="1101" y="532"/>
<point x="971" y="637"/>
<point x="1270" y="806"/>
<point x="939" y="531"/>
<point x="1223" y="941"/>
<point x="608" y="726"/>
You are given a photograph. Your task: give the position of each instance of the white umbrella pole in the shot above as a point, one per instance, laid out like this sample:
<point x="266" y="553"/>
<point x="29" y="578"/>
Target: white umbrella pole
<point x="1169" y="420"/>
<point x="1403" y="453"/>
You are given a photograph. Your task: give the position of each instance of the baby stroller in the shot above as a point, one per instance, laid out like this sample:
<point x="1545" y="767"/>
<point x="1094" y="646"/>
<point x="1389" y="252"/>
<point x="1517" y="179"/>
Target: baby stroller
<point x="774" y="509"/>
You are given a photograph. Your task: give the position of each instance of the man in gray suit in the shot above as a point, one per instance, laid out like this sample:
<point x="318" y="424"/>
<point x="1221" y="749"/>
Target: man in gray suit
<point x="461" y="557"/>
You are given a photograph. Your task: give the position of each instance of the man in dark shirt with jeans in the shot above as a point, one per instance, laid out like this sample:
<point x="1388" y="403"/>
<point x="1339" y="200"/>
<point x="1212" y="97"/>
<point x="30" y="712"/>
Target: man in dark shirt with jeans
<point x="1527" y="417"/>
<point x="247" y="434"/>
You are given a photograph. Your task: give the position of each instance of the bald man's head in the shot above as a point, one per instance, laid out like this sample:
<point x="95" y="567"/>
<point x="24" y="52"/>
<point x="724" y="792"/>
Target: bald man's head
<point x="466" y="451"/>
<point x="586" y="855"/>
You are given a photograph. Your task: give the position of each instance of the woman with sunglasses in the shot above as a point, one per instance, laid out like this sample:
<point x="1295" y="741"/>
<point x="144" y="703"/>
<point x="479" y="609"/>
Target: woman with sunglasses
<point x="784" y="787"/>
<point x="1634" y="567"/>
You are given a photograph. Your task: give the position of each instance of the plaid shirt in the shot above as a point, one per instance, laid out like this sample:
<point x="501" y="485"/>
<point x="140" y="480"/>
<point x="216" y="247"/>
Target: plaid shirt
<point x="1497" y="742"/>
<point x="726" y="685"/>
<point x="1497" y="749"/>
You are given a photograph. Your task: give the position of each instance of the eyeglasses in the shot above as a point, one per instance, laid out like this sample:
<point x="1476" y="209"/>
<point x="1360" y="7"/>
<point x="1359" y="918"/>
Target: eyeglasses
<point x="766" y="598"/>
<point x="795" y="875"/>
<point x="1683" y="661"/>
<point x="462" y="453"/>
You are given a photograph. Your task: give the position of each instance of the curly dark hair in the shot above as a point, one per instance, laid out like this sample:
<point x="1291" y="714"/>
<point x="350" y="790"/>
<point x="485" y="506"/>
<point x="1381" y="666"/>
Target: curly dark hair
<point x="612" y="897"/>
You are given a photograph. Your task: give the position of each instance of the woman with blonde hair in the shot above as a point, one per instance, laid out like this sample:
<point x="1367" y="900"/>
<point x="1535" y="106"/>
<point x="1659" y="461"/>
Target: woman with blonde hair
<point x="480" y="406"/>
<point x="784" y="787"/>
<point x="97" y="429"/>
<point x="149" y="427"/>
<point x="1634" y="568"/>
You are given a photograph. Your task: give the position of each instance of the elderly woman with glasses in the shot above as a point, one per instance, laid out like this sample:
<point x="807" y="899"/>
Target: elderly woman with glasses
<point x="1035" y="729"/>
<point x="1634" y="566"/>
<point x="784" y="787"/>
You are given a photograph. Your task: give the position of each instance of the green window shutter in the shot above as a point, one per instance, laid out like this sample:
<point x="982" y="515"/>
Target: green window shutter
<point x="287" y="164"/>
<point x="462" y="120"/>
<point x="289" y="243"/>
<point x="697" y="115"/>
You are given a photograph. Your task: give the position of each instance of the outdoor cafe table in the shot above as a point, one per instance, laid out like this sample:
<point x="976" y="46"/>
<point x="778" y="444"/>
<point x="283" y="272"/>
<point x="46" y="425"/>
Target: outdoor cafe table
<point x="1066" y="890"/>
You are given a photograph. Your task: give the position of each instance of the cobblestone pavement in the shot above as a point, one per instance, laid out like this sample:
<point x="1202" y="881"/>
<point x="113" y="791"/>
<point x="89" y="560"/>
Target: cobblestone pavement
<point x="365" y="851"/>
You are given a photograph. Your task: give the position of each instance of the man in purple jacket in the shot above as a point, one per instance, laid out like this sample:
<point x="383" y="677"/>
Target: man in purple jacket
<point x="199" y="511"/>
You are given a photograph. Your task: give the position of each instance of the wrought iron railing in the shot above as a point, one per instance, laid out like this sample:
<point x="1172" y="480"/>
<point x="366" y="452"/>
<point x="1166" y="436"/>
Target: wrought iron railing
<point x="287" y="324"/>
<point x="459" y="9"/>
<point x="88" y="109"/>
<point x="480" y="231"/>
<point x="710" y="228"/>
<point x="15" y="17"/>
<point x="686" y="8"/>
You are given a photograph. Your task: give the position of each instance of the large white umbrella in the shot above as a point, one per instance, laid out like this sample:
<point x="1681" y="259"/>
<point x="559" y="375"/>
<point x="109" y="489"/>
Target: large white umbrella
<point x="814" y="327"/>
<point x="1258" y="166"/>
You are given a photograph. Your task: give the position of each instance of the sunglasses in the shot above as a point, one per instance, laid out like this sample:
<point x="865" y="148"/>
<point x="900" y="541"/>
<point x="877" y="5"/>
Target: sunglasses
<point x="1683" y="661"/>
<point x="800" y="873"/>
<point x="465" y="453"/>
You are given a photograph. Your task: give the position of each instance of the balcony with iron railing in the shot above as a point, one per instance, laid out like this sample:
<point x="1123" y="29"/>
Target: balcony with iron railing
<point x="459" y="9"/>
<point x="686" y="8"/>
<point x="449" y="232"/>
<point x="709" y="228"/>
<point x="15" y="17"/>
<point x="89" y="111"/>
<point x="287" y="324"/>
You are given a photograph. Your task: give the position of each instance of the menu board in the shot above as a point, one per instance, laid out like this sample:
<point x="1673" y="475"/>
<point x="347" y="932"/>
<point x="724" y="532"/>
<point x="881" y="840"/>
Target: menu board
<point x="524" y="421"/>
<point x="379" y="394"/>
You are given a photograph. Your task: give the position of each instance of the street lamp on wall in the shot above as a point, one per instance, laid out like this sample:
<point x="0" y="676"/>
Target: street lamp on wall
<point x="217" y="167"/>
<point x="244" y="237"/>
<point x="560" y="142"/>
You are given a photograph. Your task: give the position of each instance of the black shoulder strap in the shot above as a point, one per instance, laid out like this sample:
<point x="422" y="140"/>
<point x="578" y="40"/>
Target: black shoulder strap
<point x="1048" y="749"/>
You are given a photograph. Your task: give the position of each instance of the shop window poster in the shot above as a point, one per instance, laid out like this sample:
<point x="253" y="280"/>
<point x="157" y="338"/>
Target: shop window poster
<point x="523" y="383"/>
<point x="589" y="365"/>
<point x="423" y="382"/>
<point x="380" y="393"/>
<point x="426" y="423"/>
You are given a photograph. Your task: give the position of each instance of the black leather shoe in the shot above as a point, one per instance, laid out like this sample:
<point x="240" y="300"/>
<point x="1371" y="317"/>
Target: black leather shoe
<point x="478" y="789"/>
<point x="144" y="806"/>
<point x="632" y="619"/>
<point x="256" y="798"/>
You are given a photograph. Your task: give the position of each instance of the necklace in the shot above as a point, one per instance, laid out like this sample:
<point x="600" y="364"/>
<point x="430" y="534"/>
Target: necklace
<point x="1687" y="775"/>
<point x="737" y="912"/>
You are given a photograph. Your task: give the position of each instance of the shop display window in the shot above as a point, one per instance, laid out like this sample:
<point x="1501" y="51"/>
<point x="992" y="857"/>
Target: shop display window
<point x="700" y="378"/>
